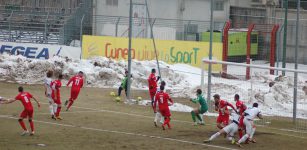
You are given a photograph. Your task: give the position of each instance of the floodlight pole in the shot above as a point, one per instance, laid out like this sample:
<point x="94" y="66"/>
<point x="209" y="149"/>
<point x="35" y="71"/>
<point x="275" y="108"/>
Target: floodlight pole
<point x="210" y="52"/>
<point x="129" y="53"/>
<point x="296" y="61"/>
<point x="284" y="52"/>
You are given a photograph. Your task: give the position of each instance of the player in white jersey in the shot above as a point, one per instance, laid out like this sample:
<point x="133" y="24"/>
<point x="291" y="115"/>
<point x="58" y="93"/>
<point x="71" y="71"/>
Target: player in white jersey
<point x="48" y="91"/>
<point x="249" y="116"/>
<point x="158" y="114"/>
<point x="230" y="129"/>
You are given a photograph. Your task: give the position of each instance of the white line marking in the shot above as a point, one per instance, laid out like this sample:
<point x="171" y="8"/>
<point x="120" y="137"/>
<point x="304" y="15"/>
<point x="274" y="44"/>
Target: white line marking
<point x="71" y="112"/>
<point x="126" y="133"/>
<point x="137" y="115"/>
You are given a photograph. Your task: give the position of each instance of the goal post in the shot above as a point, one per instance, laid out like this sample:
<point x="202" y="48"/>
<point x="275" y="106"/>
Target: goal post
<point x="275" y="94"/>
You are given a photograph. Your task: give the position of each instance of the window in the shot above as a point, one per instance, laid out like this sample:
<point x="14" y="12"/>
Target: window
<point x="218" y="5"/>
<point x="112" y="2"/>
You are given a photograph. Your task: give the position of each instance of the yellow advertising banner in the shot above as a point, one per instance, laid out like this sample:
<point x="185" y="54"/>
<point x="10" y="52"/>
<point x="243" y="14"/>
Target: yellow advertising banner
<point x="171" y="52"/>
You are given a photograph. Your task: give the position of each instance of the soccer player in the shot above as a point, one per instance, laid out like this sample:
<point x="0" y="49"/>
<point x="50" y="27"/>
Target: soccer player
<point x="162" y="98"/>
<point x="152" y="85"/>
<point x="123" y="85"/>
<point x="56" y="95"/>
<point x="240" y="109"/>
<point x="199" y="111"/>
<point x="249" y="116"/>
<point x="25" y="98"/>
<point x="221" y="107"/>
<point x="48" y="92"/>
<point x="158" y="114"/>
<point x="77" y="84"/>
<point x="230" y="129"/>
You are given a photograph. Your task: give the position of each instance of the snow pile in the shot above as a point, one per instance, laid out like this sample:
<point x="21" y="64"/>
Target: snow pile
<point x="175" y="107"/>
<point x="99" y="71"/>
<point x="182" y="80"/>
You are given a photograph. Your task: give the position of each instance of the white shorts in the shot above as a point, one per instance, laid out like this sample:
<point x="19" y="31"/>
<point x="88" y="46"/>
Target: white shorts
<point x="49" y="98"/>
<point x="249" y="125"/>
<point x="231" y="129"/>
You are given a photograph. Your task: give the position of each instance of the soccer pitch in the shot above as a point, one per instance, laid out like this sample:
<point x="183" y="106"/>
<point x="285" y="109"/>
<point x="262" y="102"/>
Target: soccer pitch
<point x="96" y="121"/>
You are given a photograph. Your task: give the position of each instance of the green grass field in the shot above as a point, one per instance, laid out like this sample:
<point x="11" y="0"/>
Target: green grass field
<point x="97" y="122"/>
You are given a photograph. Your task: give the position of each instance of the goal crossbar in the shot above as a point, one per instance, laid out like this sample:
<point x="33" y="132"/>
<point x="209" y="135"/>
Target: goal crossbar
<point x="208" y="61"/>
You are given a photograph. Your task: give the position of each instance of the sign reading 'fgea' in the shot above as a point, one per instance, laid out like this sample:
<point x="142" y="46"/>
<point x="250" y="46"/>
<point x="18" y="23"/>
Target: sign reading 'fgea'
<point x="29" y="52"/>
<point x="39" y="51"/>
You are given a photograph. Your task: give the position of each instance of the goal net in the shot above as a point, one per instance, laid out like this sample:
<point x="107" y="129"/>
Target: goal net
<point x="275" y="93"/>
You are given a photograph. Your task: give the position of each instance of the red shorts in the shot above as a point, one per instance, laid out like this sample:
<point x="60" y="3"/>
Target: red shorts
<point x="27" y="113"/>
<point x="152" y="93"/>
<point x="165" y="112"/>
<point x="223" y="119"/>
<point x="74" y="94"/>
<point x="57" y="101"/>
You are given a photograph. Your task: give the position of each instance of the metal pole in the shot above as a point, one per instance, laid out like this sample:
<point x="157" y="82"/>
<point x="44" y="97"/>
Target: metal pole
<point x="116" y="26"/>
<point x="253" y="66"/>
<point x="210" y="51"/>
<point x="151" y="33"/>
<point x="10" y="18"/>
<point x="278" y="47"/>
<point x="251" y="79"/>
<point x="284" y="52"/>
<point x="153" y="41"/>
<point x="296" y="56"/>
<point x="45" y="36"/>
<point x="81" y="33"/>
<point x="129" y="52"/>
<point x="202" y="79"/>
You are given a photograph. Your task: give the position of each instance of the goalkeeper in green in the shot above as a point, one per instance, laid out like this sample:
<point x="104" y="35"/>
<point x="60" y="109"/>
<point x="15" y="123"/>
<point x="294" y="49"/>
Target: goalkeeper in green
<point x="196" y="113"/>
<point x="123" y="85"/>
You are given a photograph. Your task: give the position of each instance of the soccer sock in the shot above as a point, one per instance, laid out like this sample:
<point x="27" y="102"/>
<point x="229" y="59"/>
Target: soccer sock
<point x="31" y="125"/>
<point x="22" y="124"/>
<point x="55" y="107"/>
<point x="166" y="122"/>
<point x="253" y="132"/>
<point x="244" y="138"/>
<point x="58" y="111"/>
<point x="220" y="126"/>
<point x="214" y="136"/>
<point x="161" y="118"/>
<point x="156" y="117"/>
<point x="199" y="117"/>
<point x="51" y="109"/>
<point x="70" y="103"/>
<point x="240" y="133"/>
<point x="193" y="116"/>
<point x="119" y="91"/>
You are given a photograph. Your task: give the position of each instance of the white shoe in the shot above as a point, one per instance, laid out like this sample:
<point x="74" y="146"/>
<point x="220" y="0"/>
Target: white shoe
<point x="32" y="133"/>
<point x="24" y="133"/>
<point x="201" y="123"/>
<point x="207" y="141"/>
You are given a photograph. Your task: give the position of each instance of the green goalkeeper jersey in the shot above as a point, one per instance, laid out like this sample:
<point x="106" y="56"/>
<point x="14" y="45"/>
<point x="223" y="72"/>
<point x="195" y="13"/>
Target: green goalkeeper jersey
<point x="203" y="104"/>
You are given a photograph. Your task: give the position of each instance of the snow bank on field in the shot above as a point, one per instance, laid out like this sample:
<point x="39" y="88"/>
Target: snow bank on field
<point x="99" y="71"/>
<point x="175" y="107"/>
<point x="182" y="80"/>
